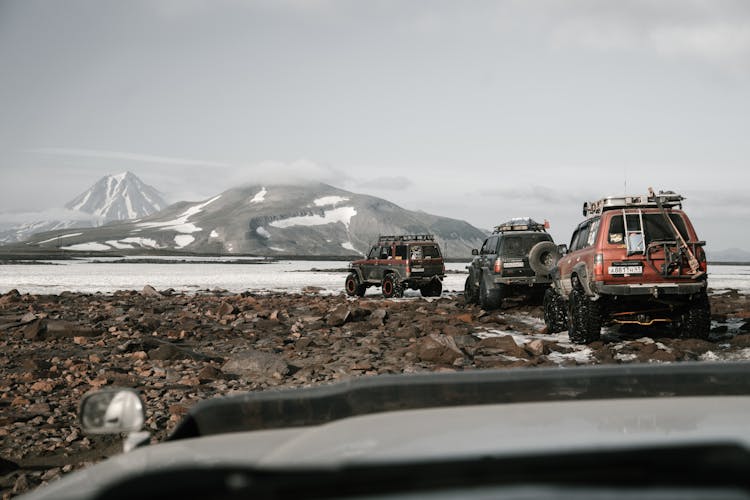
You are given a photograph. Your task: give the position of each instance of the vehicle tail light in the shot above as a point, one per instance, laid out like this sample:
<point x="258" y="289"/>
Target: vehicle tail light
<point x="408" y="269"/>
<point x="701" y="256"/>
<point x="498" y="266"/>
<point x="599" y="265"/>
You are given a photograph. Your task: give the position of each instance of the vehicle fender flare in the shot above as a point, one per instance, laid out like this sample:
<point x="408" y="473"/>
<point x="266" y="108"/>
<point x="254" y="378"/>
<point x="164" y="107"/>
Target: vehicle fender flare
<point x="358" y="272"/>
<point x="486" y="279"/>
<point x="580" y="271"/>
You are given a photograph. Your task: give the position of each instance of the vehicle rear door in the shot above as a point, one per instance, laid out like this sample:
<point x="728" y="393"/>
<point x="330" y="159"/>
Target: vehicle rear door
<point x="425" y="259"/>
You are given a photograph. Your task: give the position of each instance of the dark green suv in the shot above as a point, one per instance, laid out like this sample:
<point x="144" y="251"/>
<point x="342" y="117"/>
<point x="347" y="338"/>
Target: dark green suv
<point x="396" y="263"/>
<point x="516" y="259"/>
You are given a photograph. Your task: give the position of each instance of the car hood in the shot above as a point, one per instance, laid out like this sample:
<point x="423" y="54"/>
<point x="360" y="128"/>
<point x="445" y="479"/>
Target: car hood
<point x="437" y="434"/>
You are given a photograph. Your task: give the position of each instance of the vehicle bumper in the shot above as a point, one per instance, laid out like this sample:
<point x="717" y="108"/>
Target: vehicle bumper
<point x="655" y="289"/>
<point x="528" y="281"/>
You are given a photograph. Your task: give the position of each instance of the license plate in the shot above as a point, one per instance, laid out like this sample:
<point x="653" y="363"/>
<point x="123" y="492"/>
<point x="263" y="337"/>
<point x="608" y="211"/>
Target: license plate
<point x="512" y="264"/>
<point x="625" y="269"/>
<point x="417" y="269"/>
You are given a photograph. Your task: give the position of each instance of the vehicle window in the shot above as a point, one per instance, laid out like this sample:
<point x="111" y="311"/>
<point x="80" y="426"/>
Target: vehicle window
<point x="492" y="245"/>
<point x="416" y="252"/>
<point x="385" y="252"/>
<point x="593" y="231"/>
<point x="373" y="253"/>
<point x="484" y="246"/>
<point x="655" y="227"/>
<point x="401" y="252"/>
<point x="520" y="246"/>
<point x="430" y="251"/>
<point x="573" y="240"/>
<point x="581" y="238"/>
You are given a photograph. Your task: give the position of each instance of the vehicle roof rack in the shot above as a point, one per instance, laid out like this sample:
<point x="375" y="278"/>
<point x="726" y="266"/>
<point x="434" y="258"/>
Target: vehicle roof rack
<point x="520" y="224"/>
<point x="406" y="237"/>
<point x="669" y="199"/>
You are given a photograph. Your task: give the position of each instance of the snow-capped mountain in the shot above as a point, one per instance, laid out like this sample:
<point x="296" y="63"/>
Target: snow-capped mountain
<point x="119" y="197"/>
<point x="112" y="198"/>
<point x="312" y="219"/>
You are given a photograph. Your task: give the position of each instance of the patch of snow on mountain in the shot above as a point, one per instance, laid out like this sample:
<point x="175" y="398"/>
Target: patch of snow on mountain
<point x="263" y="232"/>
<point x="329" y="200"/>
<point x="88" y="247"/>
<point x="118" y="245"/>
<point x="259" y="196"/>
<point x="183" y="240"/>
<point x="277" y="249"/>
<point x="341" y="214"/>
<point x="214" y="234"/>
<point x="59" y="238"/>
<point x="144" y="242"/>
<point x="348" y="245"/>
<point x="181" y="224"/>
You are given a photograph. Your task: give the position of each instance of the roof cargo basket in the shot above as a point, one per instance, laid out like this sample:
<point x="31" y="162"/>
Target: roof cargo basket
<point x="407" y="237"/>
<point x="521" y="224"/>
<point x="668" y="199"/>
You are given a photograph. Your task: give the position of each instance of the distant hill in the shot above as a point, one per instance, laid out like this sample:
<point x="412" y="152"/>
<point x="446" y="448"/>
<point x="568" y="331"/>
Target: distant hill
<point x="273" y="220"/>
<point x="729" y="255"/>
<point x="113" y="197"/>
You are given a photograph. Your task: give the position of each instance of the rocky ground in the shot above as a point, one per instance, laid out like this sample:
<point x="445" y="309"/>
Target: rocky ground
<point x="178" y="349"/>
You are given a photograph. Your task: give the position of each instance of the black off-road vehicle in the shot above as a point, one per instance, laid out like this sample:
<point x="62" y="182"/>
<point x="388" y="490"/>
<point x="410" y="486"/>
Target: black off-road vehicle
<point x="516" y="259"/>
<point x="634" y="260"/>
<point x="395" y="263"/>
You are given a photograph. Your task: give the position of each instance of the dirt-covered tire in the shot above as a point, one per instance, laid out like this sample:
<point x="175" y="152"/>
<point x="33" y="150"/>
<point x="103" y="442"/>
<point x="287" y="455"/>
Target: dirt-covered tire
<point x="555" y="316"/>
<point x="695" y="322"/>
<point x="584" y="318"/>
<point x="353" y="286"/>
<point x="543" y="258"/>
<point x="391" y="287"/>
<point x="471" y="294"/>
<point x="433" y="289"/>
<point x="490" y="299"/>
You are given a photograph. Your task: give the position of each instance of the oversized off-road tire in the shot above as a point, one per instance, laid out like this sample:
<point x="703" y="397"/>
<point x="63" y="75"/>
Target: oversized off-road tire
<point x="392" y="287"/>
<point x="353" y="286"/>
<point x="471" y="294"/>
<point x="584" y="318"/>
<point x="543" y="258"/>
<point x="555" y="316"/>
<point x="433" y="289"/>
<point x="490" y="298"/>
<point x="695" y="322"/>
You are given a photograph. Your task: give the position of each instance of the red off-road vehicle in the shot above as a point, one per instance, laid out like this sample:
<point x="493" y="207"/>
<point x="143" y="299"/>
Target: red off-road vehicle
<point x="634" y="260"/>
<point x="396" y="263"/>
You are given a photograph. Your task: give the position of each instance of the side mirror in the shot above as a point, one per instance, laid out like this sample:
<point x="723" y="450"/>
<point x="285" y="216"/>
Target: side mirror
<point x="562" y="249"/>
<point x="474" y="251"/>
<point x="111" y="411"/>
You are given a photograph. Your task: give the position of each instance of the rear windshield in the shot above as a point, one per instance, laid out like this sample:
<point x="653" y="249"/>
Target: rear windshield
<point x="419" y="252"/>
<point x="655" y="228"/>
<point x="519" y="246"/>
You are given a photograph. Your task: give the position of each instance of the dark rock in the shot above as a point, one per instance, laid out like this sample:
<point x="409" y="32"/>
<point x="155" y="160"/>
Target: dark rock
<point x="438" y="349"/>
<point x="501" y="345"/>
<point x="66" y="329"/>
<point x="226" y="308"/>
<point x="7" y="466"/>
<point x="742" y="340"/>
<point x="34" y="330"/>
<point x="253" y="364"/>
<point x="339" y="316"/>
<point x="208" y="373"/>
<point x="10" y="297"/>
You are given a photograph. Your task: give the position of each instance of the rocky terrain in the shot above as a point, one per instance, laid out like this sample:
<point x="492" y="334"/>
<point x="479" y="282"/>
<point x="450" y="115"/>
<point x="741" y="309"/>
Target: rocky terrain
<point x="178" y="349"/>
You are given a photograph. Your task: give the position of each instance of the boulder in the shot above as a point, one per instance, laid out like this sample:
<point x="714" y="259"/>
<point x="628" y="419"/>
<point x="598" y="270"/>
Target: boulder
<point x="501" y="345"/>
<point x="252" y="364"/>
<point x="149" y="291"/>
<point x="339" y="316"/>
<point x="437" y="348"/>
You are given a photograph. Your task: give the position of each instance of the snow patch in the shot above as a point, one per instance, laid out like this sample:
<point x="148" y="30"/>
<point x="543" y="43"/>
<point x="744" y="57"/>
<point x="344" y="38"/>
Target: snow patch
<point x="59" y="238"/>
<point x="181" y="224"/>
<point x="183" y="240"/>
<point x="214" y="234"/>
<point x="120" y="246"/>
<point x="348" y="245"/>
<point x="88" y="247"/>
<point x="341" y="214"/>
<point x="277" y="249"/>
<point x="329" y="200"/>
<point x="259" y="196"/>
<point x="144" y="242"/>
<point x="263" y="232"/>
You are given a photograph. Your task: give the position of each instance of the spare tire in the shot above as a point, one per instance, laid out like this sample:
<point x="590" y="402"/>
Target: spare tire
<point x="543" y="257"/>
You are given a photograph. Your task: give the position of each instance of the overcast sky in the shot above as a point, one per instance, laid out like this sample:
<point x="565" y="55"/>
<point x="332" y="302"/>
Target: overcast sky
<point x="475" y="110"/>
